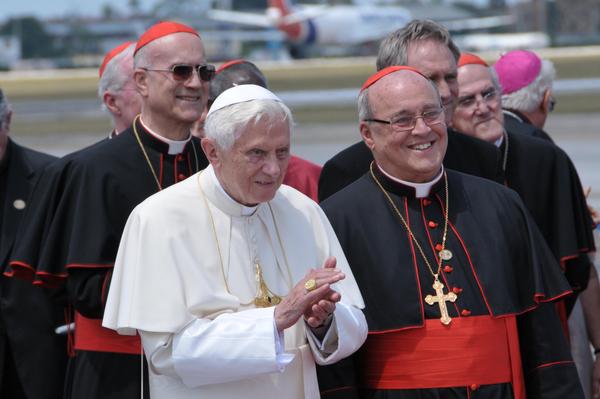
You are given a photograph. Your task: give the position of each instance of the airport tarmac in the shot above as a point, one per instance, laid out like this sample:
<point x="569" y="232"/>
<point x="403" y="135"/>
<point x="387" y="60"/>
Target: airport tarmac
<point x="577" y="134"/>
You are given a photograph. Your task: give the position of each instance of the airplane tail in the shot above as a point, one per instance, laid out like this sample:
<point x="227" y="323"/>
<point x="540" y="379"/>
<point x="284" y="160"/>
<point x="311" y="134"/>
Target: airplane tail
<point x="295" y="31"/>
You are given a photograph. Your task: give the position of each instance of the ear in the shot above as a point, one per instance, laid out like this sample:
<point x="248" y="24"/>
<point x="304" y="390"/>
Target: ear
<point x="110" y="102"/>
<point x="545" y="104"/>
<point x="367" y="134"/>
<point x="7" y="119"/>
<point x="211" y="151"/>
<point x="141" y="81"/>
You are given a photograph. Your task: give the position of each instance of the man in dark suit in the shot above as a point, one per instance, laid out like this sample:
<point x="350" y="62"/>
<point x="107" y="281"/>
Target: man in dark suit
<point x="32" y="355"/>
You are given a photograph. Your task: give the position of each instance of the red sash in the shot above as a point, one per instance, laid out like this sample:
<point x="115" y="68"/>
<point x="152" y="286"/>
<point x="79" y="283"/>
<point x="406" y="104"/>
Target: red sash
<point x="471" y="351"/>
<point x="91" y="336"/>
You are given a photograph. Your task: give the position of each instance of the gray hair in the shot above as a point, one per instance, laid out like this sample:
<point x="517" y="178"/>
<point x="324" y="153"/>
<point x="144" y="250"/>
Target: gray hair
<point x="113" y="79"/>
<point x="528" y="98"/>
<point x="227" y="124"/>
<point x="4" y="110"/>
<point x="393" y="50"/>
<point x="237" y="74"/>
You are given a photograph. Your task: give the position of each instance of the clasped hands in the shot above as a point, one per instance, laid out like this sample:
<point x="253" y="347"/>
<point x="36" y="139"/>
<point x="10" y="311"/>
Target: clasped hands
<point x="316" y="305"/>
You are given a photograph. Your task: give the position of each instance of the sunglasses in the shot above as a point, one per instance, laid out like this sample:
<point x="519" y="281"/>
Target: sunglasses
<point x="183" y="72"/>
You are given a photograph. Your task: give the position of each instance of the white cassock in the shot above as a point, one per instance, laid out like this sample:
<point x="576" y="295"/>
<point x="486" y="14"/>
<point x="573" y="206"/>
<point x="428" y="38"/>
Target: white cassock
<point x="204" y="338"/>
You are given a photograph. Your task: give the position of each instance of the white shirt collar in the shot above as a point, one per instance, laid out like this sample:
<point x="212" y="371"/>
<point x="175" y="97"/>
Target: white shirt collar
<point x="246" y="210"/>
<point x="421" y="189"/>
<point x="175" y="146"/>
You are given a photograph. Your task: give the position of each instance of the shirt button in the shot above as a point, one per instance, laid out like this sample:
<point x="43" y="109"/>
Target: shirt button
<point x="438" y="247"/>
<point x="474" y="387"/>
<point x="448" y="269"/>
<point x="179" y="157"/>
<point x="457" y="290"/>
<point x="465" y="312"/>
<point x="181" y="176"/>
<point x="432" y="224"/>
<point x="426" y="202"/>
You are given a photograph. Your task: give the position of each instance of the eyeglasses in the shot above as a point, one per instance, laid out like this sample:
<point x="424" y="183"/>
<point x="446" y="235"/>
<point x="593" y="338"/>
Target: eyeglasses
<point x="183" y="72"/>
<point x="551" y="104"/>
<point x="408" y="122"/>
<point x="489" y="96"/>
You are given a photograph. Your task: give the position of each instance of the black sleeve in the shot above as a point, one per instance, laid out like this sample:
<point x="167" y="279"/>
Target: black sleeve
<point x="338" y="381"/>
<point x="548" y="368"/>
<point x="87" y="290"/>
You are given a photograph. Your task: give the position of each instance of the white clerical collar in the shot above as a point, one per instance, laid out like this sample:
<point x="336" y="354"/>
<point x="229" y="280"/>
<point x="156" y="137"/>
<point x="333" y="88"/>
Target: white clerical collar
<point x="421" y="189"/>
<point x="175" y="146"/>
<point x="498" y="142"/>
<point x="246" y="210"/>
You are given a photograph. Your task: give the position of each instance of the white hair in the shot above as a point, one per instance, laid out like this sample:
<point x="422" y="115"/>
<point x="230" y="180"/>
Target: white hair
<point x="528" y="98"/>
<point x="113" y="79"/>
<point x="227" y="124"/>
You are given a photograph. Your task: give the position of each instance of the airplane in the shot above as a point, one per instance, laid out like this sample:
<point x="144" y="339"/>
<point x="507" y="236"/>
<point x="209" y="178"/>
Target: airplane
<point x="341" y="25"/>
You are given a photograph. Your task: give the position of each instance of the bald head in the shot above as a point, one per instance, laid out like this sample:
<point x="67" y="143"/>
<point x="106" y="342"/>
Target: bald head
<point x="405" y="130"/>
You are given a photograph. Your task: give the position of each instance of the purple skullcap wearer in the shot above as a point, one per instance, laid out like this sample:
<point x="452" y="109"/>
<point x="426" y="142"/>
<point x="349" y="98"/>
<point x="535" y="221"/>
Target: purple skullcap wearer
<point x="162" y="29"/>
<point x="386" y="71"/>
<point x="517" y="69"/>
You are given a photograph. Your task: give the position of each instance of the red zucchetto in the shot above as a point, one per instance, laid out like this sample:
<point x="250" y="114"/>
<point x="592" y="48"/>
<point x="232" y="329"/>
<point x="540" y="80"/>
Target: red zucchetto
<point x="162" y="29"/>
<point x="386" y="71"/>
<point x="470" y="59"/>
<point x="112" y="54"/>
<point x="230" y="63"/>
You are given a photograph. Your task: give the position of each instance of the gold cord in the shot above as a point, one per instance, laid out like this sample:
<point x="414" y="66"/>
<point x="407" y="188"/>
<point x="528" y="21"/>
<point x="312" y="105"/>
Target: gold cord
<point x="263" y="297"/>
<point x="412" y="236"/>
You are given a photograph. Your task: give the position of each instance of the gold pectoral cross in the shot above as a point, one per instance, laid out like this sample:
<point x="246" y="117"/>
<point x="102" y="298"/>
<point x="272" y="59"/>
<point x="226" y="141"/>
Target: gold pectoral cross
<point x="441" y="299"/>
<point x="264" y="297"/>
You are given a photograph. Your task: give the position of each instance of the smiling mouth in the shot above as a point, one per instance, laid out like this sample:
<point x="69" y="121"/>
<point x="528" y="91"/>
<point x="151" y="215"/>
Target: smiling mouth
<point x="189" y="98"/>
<point x="264" y="183"/>
<point x="421" y="147"/>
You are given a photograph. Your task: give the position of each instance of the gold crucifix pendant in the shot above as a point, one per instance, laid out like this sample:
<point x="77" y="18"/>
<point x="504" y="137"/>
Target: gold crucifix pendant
<point x="264" y="297"/>
<point x="441" y="299"/>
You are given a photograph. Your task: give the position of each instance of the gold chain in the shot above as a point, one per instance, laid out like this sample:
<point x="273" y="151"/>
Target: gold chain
<point x="412" y="236"/>
<point x="137" y="137"/>
<point x="258" y="271"/>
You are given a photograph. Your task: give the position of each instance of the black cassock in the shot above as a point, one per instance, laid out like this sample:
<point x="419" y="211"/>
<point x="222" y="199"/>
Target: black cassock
<point x="465" y="154"/>
<point x="501" y="267"/>
<point x="516" y="122"/>
<point x="547" y="182"/>
<point x="74" y="242"/>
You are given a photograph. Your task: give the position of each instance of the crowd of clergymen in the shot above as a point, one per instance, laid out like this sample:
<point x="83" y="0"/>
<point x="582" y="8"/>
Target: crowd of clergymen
<point x="189" y="254"/>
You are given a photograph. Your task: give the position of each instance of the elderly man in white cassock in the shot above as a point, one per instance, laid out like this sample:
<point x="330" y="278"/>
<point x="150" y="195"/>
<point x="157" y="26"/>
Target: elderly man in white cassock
<point x="236" y="283"/>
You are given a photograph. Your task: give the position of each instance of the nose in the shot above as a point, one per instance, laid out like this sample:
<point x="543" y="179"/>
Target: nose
<point x="271" y="166"/>
<point x="481" y="106"/>
<point x="194" y="81"/>
<point x="420" y="126"/>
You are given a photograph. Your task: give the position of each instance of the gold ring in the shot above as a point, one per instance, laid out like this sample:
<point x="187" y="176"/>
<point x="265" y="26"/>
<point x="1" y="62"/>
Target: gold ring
<point x="310" y="285"/>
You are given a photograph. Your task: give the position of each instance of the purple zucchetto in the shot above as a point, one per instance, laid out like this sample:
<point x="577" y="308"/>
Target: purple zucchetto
<point x="517" y="69"/>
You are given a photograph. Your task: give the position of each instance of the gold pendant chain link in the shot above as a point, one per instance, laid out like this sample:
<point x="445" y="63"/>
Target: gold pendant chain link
<point x="139" y="141"/>
<point x="412" y="236"/>
<point x="262" y="286"/>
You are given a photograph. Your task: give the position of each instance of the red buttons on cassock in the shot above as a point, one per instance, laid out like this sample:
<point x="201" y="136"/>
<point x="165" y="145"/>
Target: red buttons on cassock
<point x="457" y="290"/>
<point x="438" y="247"/>
<point x="426" y="202"/>
<point x="474" y="387"/>
<point x="181" y="176"/>
<point x="448" y="269"/>
<point x="179" y="157"/>
<point x="465" y="312"/>
<point x="432" y="224"/>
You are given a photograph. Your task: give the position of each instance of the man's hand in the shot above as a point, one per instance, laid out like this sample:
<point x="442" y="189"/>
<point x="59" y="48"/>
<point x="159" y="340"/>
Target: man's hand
<point x="316" y="305"/>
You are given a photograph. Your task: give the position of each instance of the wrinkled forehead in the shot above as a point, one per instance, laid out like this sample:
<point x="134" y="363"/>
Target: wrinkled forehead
<point x="474" y="76"/>
<point x="403" y="87"/>
<point x="177" y="48"/>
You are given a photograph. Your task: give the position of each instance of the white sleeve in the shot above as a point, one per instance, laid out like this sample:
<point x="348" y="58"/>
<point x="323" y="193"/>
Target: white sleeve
<point x="347" y="332"/>
<point x="232" y="347"/>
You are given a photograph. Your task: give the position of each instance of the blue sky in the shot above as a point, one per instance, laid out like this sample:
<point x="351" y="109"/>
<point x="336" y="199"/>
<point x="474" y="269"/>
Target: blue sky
<point x="53" y="8"/>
